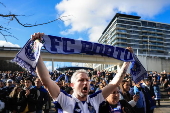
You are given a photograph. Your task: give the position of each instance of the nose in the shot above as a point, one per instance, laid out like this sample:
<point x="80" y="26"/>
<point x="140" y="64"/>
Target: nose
<point x="116" y="94"/>
<point x="85" y="81"/>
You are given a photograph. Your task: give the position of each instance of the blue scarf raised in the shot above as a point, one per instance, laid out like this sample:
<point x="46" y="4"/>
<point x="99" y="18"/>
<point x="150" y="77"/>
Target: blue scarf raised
<point x="28" y="56"/>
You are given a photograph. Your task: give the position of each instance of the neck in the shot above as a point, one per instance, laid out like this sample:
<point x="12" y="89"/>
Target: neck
<point x="112" y="102"/>
<point x="81" y="98"/>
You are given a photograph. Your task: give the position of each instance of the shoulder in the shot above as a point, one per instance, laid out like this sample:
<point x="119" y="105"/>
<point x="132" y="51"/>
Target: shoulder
<point x="127" y="107"/>
<point x="95" y="94"/>
<point x="104" y="107"/>
<point x="124" y="103"/>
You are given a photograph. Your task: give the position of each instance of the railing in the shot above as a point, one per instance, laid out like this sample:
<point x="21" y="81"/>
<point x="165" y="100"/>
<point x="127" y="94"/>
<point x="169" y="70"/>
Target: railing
<point x="16" y="49"/>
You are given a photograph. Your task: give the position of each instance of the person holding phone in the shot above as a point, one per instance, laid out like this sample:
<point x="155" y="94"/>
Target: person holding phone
<point x="145" y="103"/>
<point x="27" y="98"/>
<point x="124" y="91"/>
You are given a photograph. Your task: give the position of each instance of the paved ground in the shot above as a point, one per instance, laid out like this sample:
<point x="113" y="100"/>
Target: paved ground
<point x="164" y="108"/>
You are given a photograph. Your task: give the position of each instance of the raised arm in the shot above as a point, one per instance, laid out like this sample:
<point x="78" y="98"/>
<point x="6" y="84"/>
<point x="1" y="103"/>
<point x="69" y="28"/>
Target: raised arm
<point x="106" y="91"/>
<point x="44" y="75"/>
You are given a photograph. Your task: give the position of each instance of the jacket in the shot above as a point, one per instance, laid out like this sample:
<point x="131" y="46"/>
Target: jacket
<point x="30" y="100"/>
<point x="105" y="107"/>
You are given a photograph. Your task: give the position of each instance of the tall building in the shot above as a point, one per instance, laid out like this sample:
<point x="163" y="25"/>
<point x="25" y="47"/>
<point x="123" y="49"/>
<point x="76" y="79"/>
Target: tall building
<point x="150" y="41"/>
<point x="147" y="38"/>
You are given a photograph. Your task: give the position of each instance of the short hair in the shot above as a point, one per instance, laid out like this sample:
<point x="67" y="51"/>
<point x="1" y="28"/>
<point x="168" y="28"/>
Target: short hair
<point x="146" y="80"/>
<point x="28" y="78"/>
<point x="74" y="76"/>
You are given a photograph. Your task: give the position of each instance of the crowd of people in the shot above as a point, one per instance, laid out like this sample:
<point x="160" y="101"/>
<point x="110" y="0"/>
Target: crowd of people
<point x="15" y="86"/>
<point x="22" y="91"/>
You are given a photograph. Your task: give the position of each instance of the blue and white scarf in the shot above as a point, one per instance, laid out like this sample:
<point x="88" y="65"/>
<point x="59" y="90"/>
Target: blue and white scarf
<point x="28" y="56"/>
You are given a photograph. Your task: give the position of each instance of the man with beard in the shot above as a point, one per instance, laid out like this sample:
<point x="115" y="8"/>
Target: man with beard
<point x="79" y="101"/>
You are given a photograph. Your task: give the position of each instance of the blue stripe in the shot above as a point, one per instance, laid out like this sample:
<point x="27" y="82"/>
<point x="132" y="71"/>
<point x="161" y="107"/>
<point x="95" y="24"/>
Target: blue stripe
<point x="65" y="93"/>
<point x="58" y="107"/>
<point x="95" y="94"/>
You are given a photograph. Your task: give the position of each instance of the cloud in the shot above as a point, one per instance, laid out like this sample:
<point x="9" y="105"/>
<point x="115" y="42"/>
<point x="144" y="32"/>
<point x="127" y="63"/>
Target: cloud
<point x="7" y="44"/>
<point x="48" y="65"/>
<point x="94" y="15"/>
<point x="80" y="38"/>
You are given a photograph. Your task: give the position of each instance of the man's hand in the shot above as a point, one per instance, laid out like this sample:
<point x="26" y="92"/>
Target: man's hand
<point x="135" y="98"/>
<point x="130" y="49"/>
<point x="37" y="36"/>
<point x="27" y="92"/>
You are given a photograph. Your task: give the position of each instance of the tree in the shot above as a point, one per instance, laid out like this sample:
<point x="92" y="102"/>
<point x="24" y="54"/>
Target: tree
<point x="5" y="32"/>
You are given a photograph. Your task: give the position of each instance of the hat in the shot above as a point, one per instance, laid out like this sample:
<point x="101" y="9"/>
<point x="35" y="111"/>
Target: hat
<point x="9" y="80"/>
<point x="92" y="80"/>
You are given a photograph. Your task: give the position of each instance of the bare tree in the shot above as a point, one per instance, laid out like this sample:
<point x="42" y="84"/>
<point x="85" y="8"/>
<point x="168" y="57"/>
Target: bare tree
<point x="4" y="31"/>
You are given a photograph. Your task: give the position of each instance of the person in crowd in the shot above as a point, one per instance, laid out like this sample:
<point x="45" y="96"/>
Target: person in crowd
<point x="114" y="105"/>
<point x="90" y="74"/>
<point x="157" y="92"/>
<point x="41" y="95"/>
<point x="60" y="84"/>
<point x="19" y="77"/>
<point x="22" y="83"/>
<point x="3" y="98"/>
<point x="163" y="79"/>
<point x="80" y="101"/>
<point x="69" y="90"/>
<point x="145" y="103"/>
<point x="124" y="91"/>
<point x="168" y="90"/>
<point x="149" y="92"/>
<point x="13" y="97"/>
<point x="27" y="98"/>
<point x="141" y="103"/>
<point x="9" y="85"/>
<point x="168" y="77"/>
<point x="92" y="87"/>
<point x="101" y="86"/>
<point x="47" y="105"/>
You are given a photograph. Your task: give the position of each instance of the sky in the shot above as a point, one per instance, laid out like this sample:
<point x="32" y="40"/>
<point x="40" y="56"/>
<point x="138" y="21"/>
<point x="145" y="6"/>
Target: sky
<point x="79" y="19"/>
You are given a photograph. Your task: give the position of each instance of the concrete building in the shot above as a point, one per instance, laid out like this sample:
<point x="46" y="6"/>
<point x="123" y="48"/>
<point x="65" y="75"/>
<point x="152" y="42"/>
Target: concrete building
<point x="150" y="40"/>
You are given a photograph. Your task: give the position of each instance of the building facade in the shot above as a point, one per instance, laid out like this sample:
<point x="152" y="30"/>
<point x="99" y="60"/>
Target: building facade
<point x="148" y="38"/>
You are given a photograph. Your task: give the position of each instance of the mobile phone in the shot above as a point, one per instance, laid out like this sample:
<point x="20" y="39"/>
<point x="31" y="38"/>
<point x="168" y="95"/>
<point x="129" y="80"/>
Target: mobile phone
<point x="137" y="93"/>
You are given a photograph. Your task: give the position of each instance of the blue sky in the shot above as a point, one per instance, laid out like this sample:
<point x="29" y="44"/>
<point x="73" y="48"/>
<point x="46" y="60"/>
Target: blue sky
<point x="81" y="19"/>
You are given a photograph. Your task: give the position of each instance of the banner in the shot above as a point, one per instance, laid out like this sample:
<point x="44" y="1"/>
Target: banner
<point x="29" y="54"/>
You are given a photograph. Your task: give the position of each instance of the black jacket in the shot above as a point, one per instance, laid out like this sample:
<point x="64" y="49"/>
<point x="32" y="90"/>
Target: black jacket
<point x="42" y="97"/>
<point x="30" y="100"/>
<point x="105" y="107"/>
<point x="13" y="104"/>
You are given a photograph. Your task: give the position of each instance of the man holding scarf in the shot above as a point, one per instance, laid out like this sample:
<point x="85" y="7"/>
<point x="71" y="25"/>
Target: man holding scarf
<point x="80" y="101"/>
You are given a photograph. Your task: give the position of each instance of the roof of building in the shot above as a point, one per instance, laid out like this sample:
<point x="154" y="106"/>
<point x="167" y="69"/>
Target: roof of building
<point x="120" y="15"/>
<point x="74" y="68"/>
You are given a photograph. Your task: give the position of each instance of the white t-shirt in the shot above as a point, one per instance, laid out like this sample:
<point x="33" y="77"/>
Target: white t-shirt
<point x="68" y="102"/>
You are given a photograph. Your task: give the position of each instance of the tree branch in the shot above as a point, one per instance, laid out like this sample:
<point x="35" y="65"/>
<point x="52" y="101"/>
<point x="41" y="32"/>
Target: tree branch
<point x="15" y="17"/>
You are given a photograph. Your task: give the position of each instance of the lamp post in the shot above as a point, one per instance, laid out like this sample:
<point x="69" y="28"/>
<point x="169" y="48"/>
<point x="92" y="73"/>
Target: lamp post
<point x="148" y="46"/>
<point x="148" y="54"/>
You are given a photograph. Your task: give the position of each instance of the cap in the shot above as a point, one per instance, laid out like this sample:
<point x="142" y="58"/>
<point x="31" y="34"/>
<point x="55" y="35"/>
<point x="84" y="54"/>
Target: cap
<point x="9" y="80"/>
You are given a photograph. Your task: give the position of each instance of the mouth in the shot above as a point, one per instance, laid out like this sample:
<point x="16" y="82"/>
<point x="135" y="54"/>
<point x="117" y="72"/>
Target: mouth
<point x="85" y="90"/>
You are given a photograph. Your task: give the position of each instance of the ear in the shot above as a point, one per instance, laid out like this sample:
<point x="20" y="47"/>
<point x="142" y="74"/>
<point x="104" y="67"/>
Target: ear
<point x="72" y="85"/>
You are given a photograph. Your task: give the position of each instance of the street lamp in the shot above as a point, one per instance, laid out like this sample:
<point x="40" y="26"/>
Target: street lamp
<point x="148" y="46"/>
